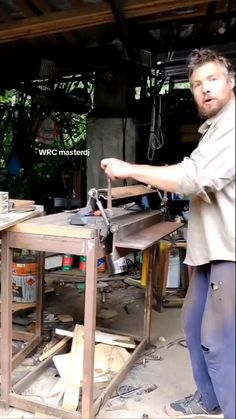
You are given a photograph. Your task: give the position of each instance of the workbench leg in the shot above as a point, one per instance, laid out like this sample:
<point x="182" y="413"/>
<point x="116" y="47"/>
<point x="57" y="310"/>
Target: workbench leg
<point x="89" y="329"/>
<point x="148" y="295"/>
<point x="6" y="320"/>
<point x="164" y="258"/>
<point x="40" y="295"/>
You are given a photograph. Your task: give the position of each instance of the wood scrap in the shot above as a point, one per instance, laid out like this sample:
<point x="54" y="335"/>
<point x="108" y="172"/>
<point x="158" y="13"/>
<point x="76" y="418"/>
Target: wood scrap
<point x="108" y="338"/>
<point x="65" y="318"/>
<point x="16" y="203"/>
<point x="74" y="371"/>
<point x="108" y="360"/>
<point x="54" y="348"/>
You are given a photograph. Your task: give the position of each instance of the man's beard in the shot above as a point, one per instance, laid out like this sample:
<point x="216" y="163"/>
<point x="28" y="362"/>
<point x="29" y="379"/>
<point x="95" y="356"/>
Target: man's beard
<point x="205" y="113"/>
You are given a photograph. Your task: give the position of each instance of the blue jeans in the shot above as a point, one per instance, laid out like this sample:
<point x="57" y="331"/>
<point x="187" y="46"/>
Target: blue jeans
<point x="209" y="326"/>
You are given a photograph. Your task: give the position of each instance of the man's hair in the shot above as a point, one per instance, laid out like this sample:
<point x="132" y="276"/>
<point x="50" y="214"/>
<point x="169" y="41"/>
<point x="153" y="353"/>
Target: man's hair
<point x="198" y="57"/>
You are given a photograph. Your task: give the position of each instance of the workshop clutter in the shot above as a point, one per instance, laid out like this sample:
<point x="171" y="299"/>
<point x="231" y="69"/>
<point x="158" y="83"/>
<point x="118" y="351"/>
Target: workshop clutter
<point x="25" y="270"/>
<point x="70" y="261"/>
<point x="109" y="264"/>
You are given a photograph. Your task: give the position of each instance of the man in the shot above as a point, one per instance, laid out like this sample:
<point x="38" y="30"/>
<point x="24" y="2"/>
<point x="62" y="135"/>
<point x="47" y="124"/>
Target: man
<point x="208" y="177"/>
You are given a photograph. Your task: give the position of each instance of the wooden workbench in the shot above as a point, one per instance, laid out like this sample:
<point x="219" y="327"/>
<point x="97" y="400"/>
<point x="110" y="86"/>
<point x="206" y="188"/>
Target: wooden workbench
<point x="53" y="234"/>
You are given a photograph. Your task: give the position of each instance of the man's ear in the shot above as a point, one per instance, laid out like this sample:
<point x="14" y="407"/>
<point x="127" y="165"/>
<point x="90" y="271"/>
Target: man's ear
<point x="232" y="82"/>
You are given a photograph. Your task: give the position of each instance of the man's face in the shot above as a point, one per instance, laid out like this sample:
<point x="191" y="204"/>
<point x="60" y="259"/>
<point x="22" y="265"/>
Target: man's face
<point x="212" y="88"/>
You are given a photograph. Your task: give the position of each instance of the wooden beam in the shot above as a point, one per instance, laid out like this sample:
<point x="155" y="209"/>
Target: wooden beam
<point x="85" y="16"/>
<point x="24" y="403"/>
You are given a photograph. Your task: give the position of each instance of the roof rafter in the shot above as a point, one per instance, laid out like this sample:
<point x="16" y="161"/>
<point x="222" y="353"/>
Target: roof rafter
<point x="85" y="16"/>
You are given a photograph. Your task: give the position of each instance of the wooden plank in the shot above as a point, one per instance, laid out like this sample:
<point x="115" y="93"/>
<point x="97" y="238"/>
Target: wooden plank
<point x="75" y="276"/>
<point x="21" y="202"/>
<point x="60" y="231"/>
<point x="30" y="346"/>
<point x="148" y="236"/>
<point x="110" y="339"/>
<point x="137" y="338"/>
<point x="52" y="351"/>
<point x="22" y="402"/>
<point x="85" y="16"/>
<point x="74" y="373"/>
<point x="49" y="243"/>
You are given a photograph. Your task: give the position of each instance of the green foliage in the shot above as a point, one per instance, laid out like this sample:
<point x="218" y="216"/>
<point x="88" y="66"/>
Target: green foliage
<point x="8" y="96"/>
<point x="17" y="135"/>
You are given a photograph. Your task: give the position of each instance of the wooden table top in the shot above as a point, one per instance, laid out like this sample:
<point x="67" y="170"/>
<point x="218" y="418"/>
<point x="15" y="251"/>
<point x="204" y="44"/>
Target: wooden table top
<point x="12" y="218"/>
<point x="55" y="225"/>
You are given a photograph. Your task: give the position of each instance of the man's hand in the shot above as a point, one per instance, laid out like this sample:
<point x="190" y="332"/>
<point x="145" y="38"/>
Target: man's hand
<point x="116" y="169"/>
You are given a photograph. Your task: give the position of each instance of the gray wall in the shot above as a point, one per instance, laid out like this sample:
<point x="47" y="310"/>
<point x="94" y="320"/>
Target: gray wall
<point x="105" y="139"/>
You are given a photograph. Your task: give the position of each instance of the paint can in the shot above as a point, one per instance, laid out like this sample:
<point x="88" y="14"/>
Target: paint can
<point x="101" y="265"/>
<point x="82" y="264"/>
<point x="25" y="271"/>
<point x="67" y="263"/>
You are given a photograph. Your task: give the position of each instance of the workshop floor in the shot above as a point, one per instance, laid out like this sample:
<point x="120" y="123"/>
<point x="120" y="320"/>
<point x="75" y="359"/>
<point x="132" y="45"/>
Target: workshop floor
<point x="171" y="373"/>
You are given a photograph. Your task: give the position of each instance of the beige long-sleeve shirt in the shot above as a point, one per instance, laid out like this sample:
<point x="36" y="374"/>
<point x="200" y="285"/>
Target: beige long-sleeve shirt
<point x="209" y="180"/>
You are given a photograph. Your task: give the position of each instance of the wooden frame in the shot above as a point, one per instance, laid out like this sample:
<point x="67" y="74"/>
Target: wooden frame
<point x="53" y="233"/>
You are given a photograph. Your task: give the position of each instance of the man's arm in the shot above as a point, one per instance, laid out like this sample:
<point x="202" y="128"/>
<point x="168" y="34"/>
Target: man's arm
<point x="210" y="167"/>
<point x="167" y="178"/>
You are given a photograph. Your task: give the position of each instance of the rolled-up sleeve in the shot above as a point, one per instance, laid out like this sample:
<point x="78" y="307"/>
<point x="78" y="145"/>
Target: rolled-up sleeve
<point x="211" y="166"/>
